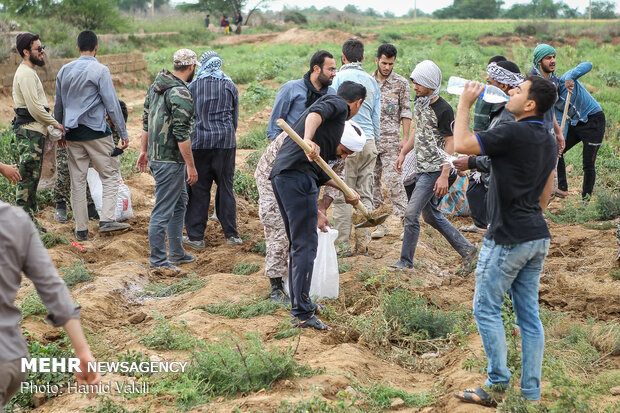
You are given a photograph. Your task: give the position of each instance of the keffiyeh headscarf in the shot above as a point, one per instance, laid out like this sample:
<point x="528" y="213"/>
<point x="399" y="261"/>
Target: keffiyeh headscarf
<point x="211" y="66"/>
<point x="504" y="76"/>
<point x="426" y="74"/>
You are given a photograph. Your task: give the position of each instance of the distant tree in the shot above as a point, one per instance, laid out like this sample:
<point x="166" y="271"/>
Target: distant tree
<point x="231" y="7"/>
<point x="91" y="14"/>
<point x="540" y="9"/>
<point x="128" y="5"/>
<point x="471" y="9"/>
<point x="29" y="7"/>
<point x="371" y="12"/>
<point x="350" y="8"/>
<point x="411" y="13"/>
<point x="603" y="10"/>
<point x="388" y="14"/>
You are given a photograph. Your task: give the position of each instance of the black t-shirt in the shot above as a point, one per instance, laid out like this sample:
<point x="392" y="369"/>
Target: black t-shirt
<point x="523" y="154"/>
<point x="334" y="111"/>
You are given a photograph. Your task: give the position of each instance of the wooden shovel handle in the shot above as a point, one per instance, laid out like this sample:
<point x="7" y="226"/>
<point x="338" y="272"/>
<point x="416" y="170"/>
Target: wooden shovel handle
<point x="564" y="115"/>
<point x="324" y="166"/>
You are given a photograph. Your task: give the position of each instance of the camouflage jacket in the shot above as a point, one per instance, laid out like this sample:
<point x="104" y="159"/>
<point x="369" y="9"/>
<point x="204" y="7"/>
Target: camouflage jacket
<point x="395" y="103"/>
<point x="168" y="117"/>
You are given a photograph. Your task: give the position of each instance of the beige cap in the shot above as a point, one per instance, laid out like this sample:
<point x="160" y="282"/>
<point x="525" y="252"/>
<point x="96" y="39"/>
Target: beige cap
<point x="185" y="57"/>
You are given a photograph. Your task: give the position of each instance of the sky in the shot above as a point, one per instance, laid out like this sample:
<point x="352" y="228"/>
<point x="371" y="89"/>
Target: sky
<point x="400" y="7"/>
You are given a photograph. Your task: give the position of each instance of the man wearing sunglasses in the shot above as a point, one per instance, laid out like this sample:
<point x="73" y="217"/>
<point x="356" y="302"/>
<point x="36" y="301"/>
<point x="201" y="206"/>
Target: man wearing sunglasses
<point x="32" y="118"/>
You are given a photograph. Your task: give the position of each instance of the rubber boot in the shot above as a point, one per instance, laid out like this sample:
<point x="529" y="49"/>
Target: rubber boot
<point x="277" y="291"/>
<point x="92" y="212"/>
<point x="61" y="212"/>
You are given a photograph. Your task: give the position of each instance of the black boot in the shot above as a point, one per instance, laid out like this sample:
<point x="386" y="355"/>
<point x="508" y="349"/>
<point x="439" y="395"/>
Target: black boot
<point x="61" y="212"/>
<point x="92" y="212"/>
<point x="277" y="291"/>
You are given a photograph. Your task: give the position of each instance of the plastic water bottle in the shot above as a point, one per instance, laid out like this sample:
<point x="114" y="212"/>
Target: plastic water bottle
<point x="490" y="94"/>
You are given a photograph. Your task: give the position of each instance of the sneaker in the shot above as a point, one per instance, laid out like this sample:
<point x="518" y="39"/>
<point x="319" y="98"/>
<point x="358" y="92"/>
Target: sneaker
<point x="196" y="245"/>
<point x="61" y="212"/>
<point x="380" y="232"/>
<point x="234" y="240"/>
<point x="277" y="293"/>
<point x="92" y="212"/>
<point x="399" y="265"/>
<point x="109" y="226"/>
<point x="81" y="235"/>
<point x="166" y="266"/>
<point x="187" y="258"/>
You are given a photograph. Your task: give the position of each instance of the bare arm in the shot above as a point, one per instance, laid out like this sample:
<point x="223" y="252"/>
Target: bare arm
<point x="186" y="152"/>
<point x="82" y="351"/>
<point x="143" y="160"/>
<point x="313" y="121"/>
<point x="465" y="142"/>
<point x="546" y="193"/>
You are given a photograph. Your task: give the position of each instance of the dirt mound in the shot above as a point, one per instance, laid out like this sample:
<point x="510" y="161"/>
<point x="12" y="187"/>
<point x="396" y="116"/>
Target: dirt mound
<point x="292" y="36"/>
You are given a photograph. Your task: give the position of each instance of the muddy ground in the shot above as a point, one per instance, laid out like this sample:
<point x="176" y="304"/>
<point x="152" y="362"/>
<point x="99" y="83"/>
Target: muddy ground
<point x="575" y="279"/>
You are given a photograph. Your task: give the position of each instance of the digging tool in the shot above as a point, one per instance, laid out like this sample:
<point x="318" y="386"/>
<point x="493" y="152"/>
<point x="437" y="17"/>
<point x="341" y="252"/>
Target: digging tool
<point x="565" y="114"/>
<point x="370" y="220"/>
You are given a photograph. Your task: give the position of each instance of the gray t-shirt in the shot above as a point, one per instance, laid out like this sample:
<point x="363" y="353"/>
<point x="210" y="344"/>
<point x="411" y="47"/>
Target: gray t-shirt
<point x="22" y="250"/>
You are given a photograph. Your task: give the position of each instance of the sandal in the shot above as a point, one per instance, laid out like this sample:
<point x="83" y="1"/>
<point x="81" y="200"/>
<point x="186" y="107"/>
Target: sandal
<point x="476" y="395"/>
<point x="317" y="308"/>
<point x="313" y="322"/>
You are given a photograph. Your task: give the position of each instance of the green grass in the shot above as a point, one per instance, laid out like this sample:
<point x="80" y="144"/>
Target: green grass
<point x="76" y="273"/>
<point x="246" y="309"/>
<point x="380" y="396"/>
<point x="286" y="330"/>
<point x="244" y="268"/>
<point x="168" y="335"/>
<point x="50" y="239"/>
<point x="344" y="267"/>
<point x="255" y="138"/>
<point x="107" y="405"/>
<point x="185" y="285"/>
<point x="32" y="305"/>
<point x="615" y="274"/>
<point x="244" y="184"/>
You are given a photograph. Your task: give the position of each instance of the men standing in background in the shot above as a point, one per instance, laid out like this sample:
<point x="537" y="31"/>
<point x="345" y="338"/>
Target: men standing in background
<point x="166" y="130"/>
<point x="432" y="144"/>
<point x="295" y="96"/>
<point x="359" y="168"/>
<point x="586" y="124"/>
<point x="216" y="109"/>
<point x="207" y="21"/>
<point x="84" y="94"/>
<point x="32" y="118"/>
<point x="395" y="109"/>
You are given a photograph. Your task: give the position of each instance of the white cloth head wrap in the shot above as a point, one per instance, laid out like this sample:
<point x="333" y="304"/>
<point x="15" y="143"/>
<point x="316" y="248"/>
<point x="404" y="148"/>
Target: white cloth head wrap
<point x="427" y="74"/>
<point x="353" y="138"/>
<point x="504" y="76"/>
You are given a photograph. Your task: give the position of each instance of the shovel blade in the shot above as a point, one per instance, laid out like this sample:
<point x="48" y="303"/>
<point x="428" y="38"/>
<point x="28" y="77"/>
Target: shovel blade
<point x="373" y="221"/>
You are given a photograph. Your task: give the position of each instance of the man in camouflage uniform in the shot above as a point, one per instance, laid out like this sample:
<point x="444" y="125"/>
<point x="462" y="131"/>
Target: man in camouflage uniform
<point x="167" y="126"/>
<point x="395" y="108"/>
<point x="432" y="144"/>
<point x="62" y="187"/>
<point x="32" y="118"/>
<point x="276" y="241"/>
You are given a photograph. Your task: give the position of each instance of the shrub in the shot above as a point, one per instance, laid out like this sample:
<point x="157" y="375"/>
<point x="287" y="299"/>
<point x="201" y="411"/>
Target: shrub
<point x="189" y="283"/>
<point x="76" y="273"/>
<point x="50" y="240"/>
<point x="260" y="248"/>
<point x="256" y="96"/>
<point x="243" y="268"/>
<point x="32" y="305"/>
<point x="168" y="335"/>
<point x="244" y="184"/>
<point x="245" y="309"/>
<point x="256" y="138"/>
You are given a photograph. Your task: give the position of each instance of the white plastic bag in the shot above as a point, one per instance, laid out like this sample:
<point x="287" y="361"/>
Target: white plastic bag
<point x="123" y="209"/>
<point x="325" y="275"/>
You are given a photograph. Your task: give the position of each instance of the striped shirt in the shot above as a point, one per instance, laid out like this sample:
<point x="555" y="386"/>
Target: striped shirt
<point x="216" y="105"/>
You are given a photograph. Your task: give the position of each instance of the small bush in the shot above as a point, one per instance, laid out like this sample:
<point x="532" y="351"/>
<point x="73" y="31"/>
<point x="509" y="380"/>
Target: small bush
<point x="251" y="161"/>
<point x="189" y="283"/>
<point x="244" y="184"/>
<point x="294" y="16"/>
<point x="260" y="248"/>
<point x="245" y="309"/>
<point x="344" y="267"/>
<point x="32" y="305"/>
<point x="286" y="330"/>
<point x="256" y="96"/>
<point x="168" y="335"/>
<point x="243" y="268"/>
<point x="615" y="274"/>
<point x="50" y="240"/>
<point x="128" y="163"/>
<point x="76" y="273"/>
<point x="380" y="396"/>
<point x="256" y="138"/>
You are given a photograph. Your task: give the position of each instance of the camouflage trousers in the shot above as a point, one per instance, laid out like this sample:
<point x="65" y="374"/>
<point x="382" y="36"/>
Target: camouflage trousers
<point x="387" y="148"/>
<point x="276" y="241"/>
<point x="62" y="188"/>
<point x="30" y="145"/>
<point x="618" y="234"/>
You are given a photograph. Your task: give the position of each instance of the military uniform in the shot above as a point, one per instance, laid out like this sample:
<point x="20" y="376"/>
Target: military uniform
<point x="276" y="241"/>
<point x="395" y="105"/>
<point x="30" y="135"/>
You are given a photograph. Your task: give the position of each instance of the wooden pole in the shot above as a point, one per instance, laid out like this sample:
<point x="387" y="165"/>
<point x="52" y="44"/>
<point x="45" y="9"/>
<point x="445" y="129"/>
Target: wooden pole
<point x="152" y="8"/>
<point x="590" y="11"/>
<point x="415" y="10"/>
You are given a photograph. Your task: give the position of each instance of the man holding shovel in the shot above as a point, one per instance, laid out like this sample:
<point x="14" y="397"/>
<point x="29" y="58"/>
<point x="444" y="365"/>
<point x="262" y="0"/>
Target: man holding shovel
<point x="296" y="178"/>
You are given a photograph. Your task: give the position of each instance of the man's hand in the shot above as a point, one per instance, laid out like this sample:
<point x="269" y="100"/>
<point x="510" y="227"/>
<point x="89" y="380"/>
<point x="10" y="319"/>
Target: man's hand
<point x="192" y="175"/>
<point x="143" y="162"/>
<point x="570" y="85"/>
<point x="61" y="128"/>
<point x="10" y="172"/>
<point x="86" y="377"/>
<point x="470" y="93"/>
<point x="461" y="163"/>
<point x="323" y="222"/>
<point x="316" y="150"/>
<point x="561" y="144"/>
<point x="352" y="201"/>
<point x="441" y="186"/>
<point x="124" y="143"/>
<point x="398" y="166"/>
<point x="62" y="143"/>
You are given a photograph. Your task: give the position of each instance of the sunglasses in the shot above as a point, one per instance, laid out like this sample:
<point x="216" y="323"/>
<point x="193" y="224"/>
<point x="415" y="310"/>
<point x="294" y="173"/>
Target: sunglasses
<point x="39" y="49"/>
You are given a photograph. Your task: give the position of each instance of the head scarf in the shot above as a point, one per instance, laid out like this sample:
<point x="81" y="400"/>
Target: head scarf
<point x="504" y="76"/>
<point x="426" y="74"/>
<point x="541" y="51"/>
<point x="211" y="65"/>
<point x="353" y="137"/>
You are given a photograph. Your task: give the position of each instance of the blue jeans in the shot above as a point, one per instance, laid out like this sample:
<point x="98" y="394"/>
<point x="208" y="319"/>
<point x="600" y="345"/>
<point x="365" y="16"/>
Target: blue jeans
<point x="168" y="213"/>
<point x="423" y="201"/>
<point x="515" y="268"/>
